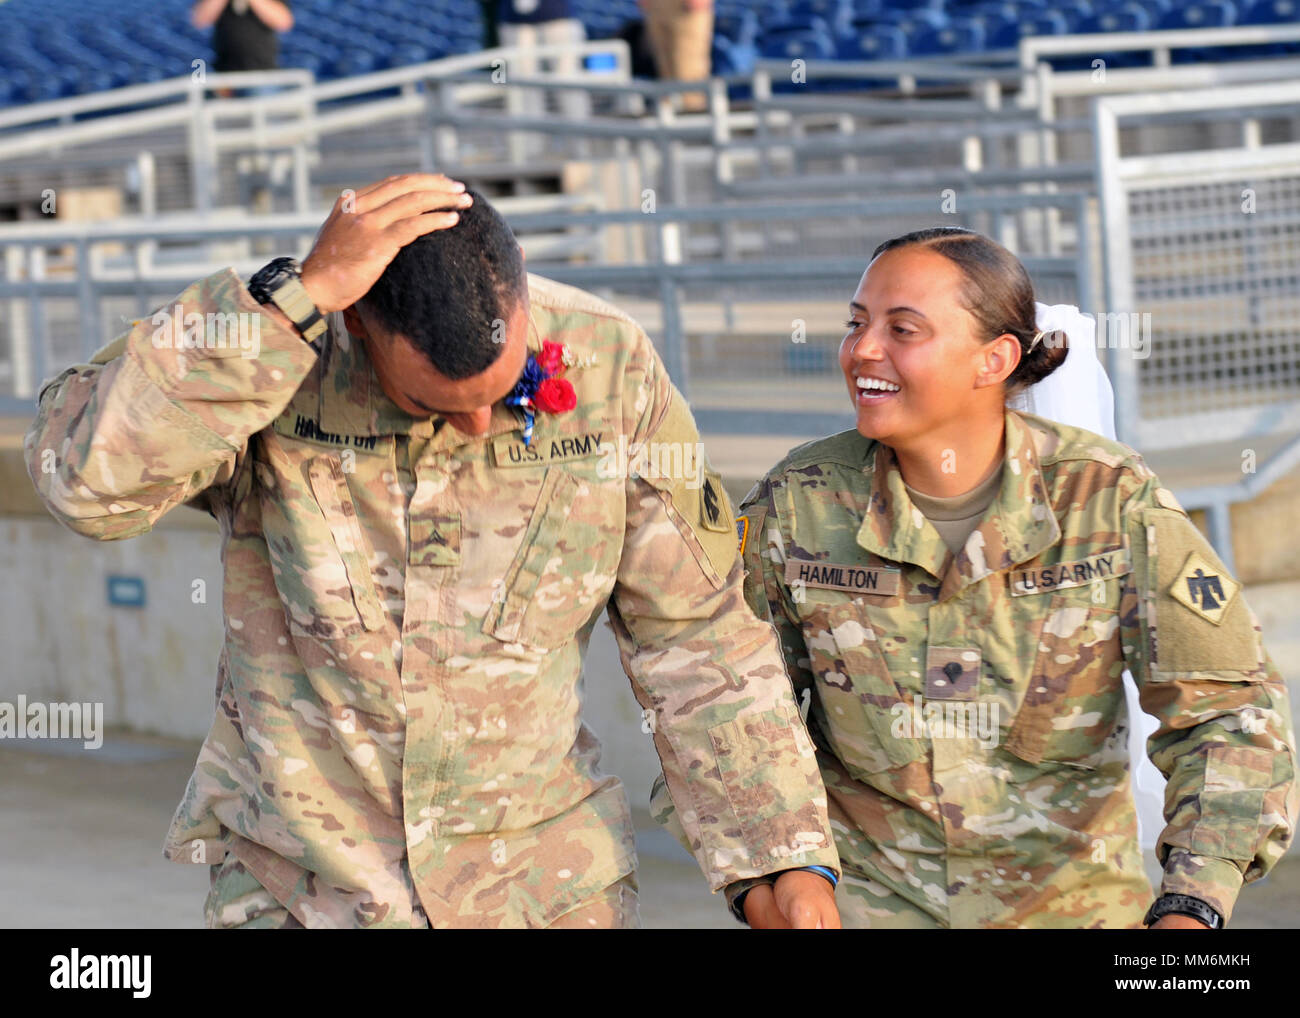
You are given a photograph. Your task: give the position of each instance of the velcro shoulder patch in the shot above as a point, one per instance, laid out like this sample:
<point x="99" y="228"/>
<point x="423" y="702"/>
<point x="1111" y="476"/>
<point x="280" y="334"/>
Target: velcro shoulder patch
<point x="1200" y="620"/>
<point x="673" y="461"/>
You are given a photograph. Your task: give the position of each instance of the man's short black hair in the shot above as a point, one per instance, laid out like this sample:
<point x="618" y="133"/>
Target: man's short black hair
<point x="450" y="292"/>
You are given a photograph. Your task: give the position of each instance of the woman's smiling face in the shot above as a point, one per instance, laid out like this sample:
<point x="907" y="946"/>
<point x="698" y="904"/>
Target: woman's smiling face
<point x="911" y="358"/>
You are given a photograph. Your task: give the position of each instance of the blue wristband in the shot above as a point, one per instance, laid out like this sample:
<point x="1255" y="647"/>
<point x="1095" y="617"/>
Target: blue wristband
<point x="828" y="874"/>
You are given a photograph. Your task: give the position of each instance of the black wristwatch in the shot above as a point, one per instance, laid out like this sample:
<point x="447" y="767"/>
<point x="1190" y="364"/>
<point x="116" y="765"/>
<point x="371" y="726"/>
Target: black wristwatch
<point x="1183" y="904"/>
<point x="279" y="283"/>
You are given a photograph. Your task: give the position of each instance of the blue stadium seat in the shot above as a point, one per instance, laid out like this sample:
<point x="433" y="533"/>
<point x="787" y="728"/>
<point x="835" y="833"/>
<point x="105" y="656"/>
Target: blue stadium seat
<point x="1074" y="11"/>
<point x="1129" y="18"/>
<point x="834" y="12"/>
<point x="1005" y="35"/>
<point x="867" y="8"/>
<point x="985" y="9"/>
<point x="909" y="19"/>
<point x="958" y="36"/>
<point x="1215" y="14"/>
<point x="1046" y="23"/>
<point x="737" y="28"/>
<point x="801" y="44"/>
<point x="809" y="40"/>
<point x="873" y="42"/>
<point x="1270" y="12"/>
<point x="733" y="57"/>
<point x="350" y="62"/>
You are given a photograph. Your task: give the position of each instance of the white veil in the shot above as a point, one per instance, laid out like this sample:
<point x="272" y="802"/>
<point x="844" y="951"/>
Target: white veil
<point x="1079" y="393"/>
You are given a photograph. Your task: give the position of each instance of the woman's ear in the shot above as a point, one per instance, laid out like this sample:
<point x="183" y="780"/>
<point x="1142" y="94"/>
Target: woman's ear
<point x="998" y="359"/>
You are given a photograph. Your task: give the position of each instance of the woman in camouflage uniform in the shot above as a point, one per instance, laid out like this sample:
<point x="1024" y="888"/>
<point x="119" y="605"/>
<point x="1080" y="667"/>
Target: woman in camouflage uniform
<point x="958" y="589"/>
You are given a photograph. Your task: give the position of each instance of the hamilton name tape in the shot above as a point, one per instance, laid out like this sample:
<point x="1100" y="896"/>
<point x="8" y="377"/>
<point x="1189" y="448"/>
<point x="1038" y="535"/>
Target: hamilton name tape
<point x="858" y="579"/>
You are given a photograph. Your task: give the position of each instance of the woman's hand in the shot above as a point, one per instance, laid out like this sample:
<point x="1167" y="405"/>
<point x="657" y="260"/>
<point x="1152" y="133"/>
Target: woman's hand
<point x="799" y="900"/>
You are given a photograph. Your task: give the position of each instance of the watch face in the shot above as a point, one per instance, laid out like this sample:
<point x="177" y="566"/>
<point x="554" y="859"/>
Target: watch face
<point x="271" y="277"/>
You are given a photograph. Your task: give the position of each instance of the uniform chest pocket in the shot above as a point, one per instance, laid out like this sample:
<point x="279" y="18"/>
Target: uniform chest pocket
<point x="860" y="702"/>
<point x="318" y="551"/>
<point x="1074" y="695"/>
<point x="566" y="566"/>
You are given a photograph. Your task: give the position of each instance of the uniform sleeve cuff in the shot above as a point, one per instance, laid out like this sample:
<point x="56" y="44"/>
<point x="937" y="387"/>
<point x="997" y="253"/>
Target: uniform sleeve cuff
<point x="734" y="891"/>
<point x="1216" y="882"/>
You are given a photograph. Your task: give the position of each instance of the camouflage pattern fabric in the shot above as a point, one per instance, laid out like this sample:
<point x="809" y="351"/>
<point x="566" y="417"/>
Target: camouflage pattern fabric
<point x="397" y="738"/>
<point x="969" y="711"/>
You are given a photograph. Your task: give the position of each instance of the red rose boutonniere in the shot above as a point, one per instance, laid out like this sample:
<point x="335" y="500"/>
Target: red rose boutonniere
<point x="541" y="387"/>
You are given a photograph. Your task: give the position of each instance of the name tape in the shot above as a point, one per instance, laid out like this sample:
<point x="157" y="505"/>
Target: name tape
<point x="509" y="451"/>
<point x="833" y="576"/>
<point x="1071" y="574"/>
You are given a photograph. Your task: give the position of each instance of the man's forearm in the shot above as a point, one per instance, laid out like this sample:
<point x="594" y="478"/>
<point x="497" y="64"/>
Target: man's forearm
<point x="165" y="411"/>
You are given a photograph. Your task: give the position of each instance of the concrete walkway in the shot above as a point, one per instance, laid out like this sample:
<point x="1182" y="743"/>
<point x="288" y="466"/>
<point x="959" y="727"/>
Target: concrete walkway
<point x="83" y="837"/>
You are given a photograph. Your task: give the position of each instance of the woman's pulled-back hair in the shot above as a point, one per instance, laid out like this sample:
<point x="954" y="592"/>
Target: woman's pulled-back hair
<point x="997" y="293"/>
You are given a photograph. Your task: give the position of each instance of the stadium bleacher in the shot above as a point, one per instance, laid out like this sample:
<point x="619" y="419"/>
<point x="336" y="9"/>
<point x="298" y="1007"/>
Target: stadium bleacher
<point x="51" y="49"/>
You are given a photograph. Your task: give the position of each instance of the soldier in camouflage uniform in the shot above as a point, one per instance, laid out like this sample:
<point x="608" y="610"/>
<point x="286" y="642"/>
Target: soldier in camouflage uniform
<point x="965" y="695"/>
<point x="410" y="588"/>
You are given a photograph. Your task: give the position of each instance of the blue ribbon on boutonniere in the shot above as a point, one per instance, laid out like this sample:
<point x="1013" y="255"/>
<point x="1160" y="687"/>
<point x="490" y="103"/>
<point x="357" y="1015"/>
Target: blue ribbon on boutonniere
<point x="523" y="396"/>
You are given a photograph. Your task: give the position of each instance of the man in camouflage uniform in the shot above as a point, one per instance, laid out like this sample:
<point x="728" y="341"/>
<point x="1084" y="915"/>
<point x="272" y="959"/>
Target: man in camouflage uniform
<point x="409" y="595"/>
<point x="968" y="708"/>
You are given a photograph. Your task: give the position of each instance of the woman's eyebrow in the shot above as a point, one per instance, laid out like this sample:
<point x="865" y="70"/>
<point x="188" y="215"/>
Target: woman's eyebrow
<point x="858" y="307"/>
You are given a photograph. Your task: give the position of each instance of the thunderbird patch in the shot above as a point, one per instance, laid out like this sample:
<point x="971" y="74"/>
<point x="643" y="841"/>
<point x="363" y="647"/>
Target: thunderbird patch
<point x="713" y="507"/>
<point x="1204" y="589"/>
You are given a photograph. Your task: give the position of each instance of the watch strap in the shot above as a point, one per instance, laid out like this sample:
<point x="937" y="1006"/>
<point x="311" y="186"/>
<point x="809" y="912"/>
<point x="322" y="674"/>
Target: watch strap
<point x="1183" y="904"/>
<point x="279" y="282"/>
<point x="291" y="298"/>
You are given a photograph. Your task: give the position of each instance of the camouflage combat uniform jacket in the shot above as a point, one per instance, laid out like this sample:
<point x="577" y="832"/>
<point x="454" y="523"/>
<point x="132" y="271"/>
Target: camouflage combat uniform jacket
<point x="397" y="739"/>
<point x="1082" y="566"/>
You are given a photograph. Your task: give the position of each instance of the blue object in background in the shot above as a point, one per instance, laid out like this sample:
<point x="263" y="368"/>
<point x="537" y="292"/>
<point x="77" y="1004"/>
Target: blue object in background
<point x="55" y="48"/>
<point x="126" y="591"/>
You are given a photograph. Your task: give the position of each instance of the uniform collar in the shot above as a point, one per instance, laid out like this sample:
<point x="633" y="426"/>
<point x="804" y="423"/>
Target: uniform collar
<point x="352" y="402"/>
<point x="1017" y="526"/>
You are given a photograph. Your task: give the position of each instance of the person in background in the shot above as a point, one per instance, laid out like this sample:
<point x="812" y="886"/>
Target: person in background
<point x="531" y="23"/>
<point x="491" y="37"/>
<point x="244" y="32"/>
<point x="681" y="35"/>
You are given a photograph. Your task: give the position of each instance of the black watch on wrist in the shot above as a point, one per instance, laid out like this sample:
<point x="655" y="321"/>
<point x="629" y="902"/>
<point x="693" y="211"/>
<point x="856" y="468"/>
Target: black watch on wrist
<point x="279" y="283"/>
<point x="1183" y="904"/>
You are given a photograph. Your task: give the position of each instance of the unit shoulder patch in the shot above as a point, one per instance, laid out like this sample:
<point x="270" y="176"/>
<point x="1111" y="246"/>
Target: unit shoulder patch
<point x="1204" y="589"/>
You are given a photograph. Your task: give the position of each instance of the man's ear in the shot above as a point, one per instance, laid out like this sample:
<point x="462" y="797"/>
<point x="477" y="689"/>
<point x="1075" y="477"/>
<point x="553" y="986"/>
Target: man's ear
<point x="352" y="319"/>
<point x="998" y="360"/>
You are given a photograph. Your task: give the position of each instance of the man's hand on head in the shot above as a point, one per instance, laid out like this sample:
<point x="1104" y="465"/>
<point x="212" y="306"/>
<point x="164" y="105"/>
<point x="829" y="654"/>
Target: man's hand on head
<point x="366" y="229"/>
